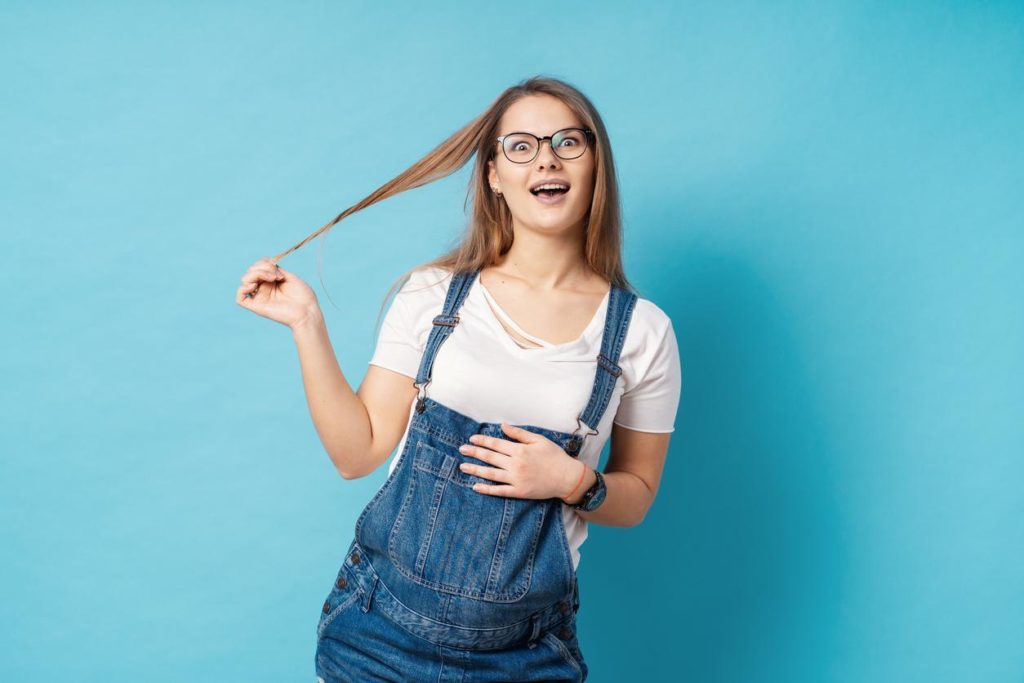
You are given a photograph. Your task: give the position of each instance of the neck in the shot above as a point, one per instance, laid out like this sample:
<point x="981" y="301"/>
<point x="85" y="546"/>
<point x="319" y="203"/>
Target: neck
<point x="547" y="262"/>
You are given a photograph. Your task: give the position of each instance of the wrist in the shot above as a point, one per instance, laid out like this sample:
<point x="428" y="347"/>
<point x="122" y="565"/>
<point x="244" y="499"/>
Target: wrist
<point x="312" y="320"/>
<point x="581" y="484"/>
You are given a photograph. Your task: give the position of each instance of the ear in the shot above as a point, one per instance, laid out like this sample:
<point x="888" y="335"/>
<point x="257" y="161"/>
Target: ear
<point x="492" y="174"/>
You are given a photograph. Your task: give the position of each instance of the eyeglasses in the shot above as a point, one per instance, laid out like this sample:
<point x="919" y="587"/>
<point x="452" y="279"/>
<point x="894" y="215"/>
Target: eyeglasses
<point x="522" y="148"/>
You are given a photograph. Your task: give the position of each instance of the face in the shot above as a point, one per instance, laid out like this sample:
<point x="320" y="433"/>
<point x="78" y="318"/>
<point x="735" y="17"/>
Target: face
<point x="543" y="115"/>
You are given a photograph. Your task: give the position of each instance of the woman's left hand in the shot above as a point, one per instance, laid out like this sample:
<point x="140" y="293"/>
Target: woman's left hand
<point x="532" y="466"/>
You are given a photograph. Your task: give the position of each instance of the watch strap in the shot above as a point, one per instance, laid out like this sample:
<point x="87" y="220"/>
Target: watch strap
<point x="591" y="500"/>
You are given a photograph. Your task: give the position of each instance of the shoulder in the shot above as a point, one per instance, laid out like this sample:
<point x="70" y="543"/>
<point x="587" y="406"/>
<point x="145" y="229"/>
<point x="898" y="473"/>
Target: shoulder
<point x="650" y="343"/>
<point x="429" y="277"/>
<point x="649" y="324"/>
<point x="650" y="354"/>
<point x="424" y="287"/>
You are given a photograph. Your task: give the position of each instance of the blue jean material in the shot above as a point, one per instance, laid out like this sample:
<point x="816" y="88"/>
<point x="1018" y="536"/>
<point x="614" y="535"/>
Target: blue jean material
<point x="442" y="583"/>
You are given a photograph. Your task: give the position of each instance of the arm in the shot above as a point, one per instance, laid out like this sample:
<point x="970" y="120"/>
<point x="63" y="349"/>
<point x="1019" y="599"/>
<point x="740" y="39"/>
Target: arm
<point x="358" y="430"/>
<point x="632" y="476"/>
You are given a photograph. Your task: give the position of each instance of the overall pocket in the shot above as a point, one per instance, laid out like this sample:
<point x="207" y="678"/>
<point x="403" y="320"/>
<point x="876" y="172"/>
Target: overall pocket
<point x="344" y="595"/>
<point x="451" y="538"/>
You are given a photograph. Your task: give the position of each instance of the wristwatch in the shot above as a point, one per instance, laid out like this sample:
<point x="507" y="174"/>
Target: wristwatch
<point x="594" y="496"/>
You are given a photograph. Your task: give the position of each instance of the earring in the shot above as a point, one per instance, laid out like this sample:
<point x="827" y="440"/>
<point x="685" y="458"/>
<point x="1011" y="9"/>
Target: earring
<point x="495" y="190"/>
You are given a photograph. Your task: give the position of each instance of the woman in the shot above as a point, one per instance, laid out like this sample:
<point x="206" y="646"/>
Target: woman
<point x="525" y="346"/>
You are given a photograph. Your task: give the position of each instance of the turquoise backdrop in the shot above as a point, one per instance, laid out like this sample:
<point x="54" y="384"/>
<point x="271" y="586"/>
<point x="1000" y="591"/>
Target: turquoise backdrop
<point x="824" y="196"/>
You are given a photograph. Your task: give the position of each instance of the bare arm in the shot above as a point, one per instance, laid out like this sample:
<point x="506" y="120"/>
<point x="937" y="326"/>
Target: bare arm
<point x="358" y="430"/>
<point x="632" y="476"/>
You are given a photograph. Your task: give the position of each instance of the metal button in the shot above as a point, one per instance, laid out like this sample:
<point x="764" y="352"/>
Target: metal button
<point x="565" y="633"/>
<point x="341" y="582"/>
<point x="327" y="606"/>
<point x="572" y="446"/>
<point x="355" y="558"/>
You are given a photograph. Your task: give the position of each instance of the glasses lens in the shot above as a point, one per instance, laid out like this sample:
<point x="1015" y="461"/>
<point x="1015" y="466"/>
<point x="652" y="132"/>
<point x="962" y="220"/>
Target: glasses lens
<point x="520" y="147"/>
<point x="570" y="143"/>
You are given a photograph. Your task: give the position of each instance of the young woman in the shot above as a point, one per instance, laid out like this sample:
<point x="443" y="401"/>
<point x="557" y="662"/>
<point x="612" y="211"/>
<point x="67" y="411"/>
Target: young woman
<point x="500" y="371"/>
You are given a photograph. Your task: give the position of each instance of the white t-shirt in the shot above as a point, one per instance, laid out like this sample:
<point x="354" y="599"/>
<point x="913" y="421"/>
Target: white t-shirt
<point x="483" y="373"/>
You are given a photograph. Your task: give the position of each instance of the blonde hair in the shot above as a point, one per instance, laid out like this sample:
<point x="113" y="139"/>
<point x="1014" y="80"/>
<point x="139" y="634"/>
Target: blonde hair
<point x="489" y="232"/>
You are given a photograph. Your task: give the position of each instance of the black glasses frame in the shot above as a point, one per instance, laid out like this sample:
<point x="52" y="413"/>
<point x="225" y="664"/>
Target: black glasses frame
<point x="587" y="135"/>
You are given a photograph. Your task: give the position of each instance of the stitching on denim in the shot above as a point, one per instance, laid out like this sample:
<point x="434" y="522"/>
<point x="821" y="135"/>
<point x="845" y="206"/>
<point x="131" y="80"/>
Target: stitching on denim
<point x="347" y="602"/>
<point x="400" y="517"/>
<point x="415" y="575"/>
<point x="467" y="592"/>
<point x="611" y="350"/>
<point x="570" y="571"/>
<point x="498" y="559"/>
<point x="443" y="435"/>
<point x="457" y="477"/>
<point x="435" y="508"/>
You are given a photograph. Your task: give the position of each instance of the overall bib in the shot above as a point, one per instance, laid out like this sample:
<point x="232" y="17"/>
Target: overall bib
<point x="452" y="584"/>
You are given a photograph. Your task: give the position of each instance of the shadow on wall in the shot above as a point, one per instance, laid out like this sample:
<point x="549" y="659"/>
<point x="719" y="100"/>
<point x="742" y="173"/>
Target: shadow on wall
<point x="739" y="540"/>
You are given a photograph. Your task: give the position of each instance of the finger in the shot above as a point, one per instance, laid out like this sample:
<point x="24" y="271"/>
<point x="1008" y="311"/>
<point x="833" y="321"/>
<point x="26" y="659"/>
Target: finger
<point x="480" y="453"/>
<point x="503" y="446"/>
<point x="242" y="295"/>
<point x="248" y="288"/>
<point x="489" y="455"/>
<point x="503" y="490"/>
<point x="520" y="434"/>
<point x="248" y="291"/>
<point x="492" y="473"/>
<point x="267" y="275"/>
<point x="264" y="263"/>
<point x="263" y="268"/>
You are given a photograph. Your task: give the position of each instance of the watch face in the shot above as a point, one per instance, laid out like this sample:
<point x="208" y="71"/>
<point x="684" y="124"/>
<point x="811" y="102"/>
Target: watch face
<point x="595" y="495"/>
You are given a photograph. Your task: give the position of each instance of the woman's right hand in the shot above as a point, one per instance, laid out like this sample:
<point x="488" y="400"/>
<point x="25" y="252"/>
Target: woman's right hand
<point x="282" y="296"/>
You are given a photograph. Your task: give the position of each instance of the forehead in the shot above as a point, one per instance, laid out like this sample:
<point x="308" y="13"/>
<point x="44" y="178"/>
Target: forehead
<point x="538" y="114"/>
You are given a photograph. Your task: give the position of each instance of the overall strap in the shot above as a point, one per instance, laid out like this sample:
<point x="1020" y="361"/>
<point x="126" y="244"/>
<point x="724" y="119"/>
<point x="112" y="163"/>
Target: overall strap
<point x="620" y="310"/>
<point x="443" y="325"/>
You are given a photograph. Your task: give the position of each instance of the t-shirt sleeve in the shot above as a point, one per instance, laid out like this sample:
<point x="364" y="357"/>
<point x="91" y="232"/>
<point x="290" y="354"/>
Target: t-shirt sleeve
<point x="651" y="404"/>
<point x="401" y="341"/>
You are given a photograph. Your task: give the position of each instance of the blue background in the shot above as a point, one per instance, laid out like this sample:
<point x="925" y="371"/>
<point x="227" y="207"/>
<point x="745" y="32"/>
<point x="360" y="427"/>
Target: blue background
<point x="825" y="198"/>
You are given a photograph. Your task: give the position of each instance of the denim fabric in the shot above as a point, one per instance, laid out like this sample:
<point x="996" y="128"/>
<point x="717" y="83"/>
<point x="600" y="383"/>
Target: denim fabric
<point x="441" y="582"/>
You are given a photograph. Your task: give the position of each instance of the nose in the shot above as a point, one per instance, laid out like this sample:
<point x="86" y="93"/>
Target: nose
<point x="543" y="156"/>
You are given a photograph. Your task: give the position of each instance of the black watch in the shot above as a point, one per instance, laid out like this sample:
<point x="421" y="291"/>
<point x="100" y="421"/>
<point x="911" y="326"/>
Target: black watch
<point x="594" y="495"/>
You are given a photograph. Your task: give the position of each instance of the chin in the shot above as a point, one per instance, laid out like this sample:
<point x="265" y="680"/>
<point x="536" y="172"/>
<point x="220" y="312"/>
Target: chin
<point x="554" y="223"/>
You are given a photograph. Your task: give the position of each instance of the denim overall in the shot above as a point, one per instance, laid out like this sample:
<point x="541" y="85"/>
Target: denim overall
<point x="463" y="585"/>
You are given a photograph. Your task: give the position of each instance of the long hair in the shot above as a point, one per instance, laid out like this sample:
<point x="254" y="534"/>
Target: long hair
<point x="489" y="232"/>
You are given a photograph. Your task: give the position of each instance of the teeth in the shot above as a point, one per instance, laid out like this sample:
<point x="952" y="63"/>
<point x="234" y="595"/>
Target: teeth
<point x="550" y="186"/>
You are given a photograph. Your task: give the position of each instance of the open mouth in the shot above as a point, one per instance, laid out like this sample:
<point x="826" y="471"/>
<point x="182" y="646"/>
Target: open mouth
<point x="550" y="193"/>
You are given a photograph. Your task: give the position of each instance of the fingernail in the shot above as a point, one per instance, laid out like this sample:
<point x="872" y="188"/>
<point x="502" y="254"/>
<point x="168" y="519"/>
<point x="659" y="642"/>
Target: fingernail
<point x="463" y="448"/>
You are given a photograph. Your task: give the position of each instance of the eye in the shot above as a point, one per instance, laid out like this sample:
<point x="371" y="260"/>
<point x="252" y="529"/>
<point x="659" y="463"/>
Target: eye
<point x="571" y="137"/>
